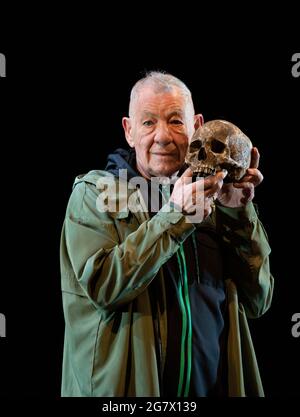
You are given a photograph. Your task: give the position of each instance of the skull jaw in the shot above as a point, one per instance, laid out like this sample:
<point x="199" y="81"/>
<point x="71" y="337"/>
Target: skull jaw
<point x="234" y="173"/>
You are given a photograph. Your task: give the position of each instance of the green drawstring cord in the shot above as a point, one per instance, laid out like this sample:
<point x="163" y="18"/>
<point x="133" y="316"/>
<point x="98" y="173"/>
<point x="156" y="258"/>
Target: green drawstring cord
<point x="183" y="330"/>
<point x="189" y="341"/>
<point x="184" y="303"/>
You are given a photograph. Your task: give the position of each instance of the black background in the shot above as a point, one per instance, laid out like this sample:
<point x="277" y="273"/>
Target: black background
<point x="67" y="87"/>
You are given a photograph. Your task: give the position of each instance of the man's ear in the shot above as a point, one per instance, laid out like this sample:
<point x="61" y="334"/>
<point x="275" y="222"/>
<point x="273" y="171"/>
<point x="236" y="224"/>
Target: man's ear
<point x="126" y="123"/>
<point x="198" y="120"/>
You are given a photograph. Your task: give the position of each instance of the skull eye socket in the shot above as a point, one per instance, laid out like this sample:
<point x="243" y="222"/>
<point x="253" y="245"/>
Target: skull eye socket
<point x="217" y="146"/>
<point x="195" y="145"/>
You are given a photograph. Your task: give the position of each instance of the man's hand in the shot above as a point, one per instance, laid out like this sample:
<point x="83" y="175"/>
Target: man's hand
<point x="238" y="194"/>
<point x="199" y="195"/>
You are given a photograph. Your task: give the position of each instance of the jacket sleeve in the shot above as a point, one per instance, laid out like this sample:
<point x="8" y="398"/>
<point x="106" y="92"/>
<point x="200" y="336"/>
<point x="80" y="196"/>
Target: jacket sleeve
<point x="113" y="271"/>
<point x="246" y="256"/>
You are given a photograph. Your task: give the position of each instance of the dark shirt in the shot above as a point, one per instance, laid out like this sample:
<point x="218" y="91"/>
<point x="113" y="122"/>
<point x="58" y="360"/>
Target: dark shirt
<point x="207" y="303"/>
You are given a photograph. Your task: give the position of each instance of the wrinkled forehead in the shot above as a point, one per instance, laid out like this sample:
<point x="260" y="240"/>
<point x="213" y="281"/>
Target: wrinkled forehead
<point x="160" y="100"/>
<point x="149" y="94"/>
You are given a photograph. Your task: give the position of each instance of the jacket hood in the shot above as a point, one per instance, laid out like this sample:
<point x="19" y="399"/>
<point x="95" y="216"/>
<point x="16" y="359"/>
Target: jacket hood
<point x="122" y="159"/>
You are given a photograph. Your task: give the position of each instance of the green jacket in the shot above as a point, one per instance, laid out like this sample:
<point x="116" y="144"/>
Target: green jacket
<point x="108" y="261"/>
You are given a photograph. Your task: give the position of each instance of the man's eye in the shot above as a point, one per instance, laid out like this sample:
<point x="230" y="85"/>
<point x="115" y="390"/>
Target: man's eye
<point x="176" y="122"/>
<point x="148" y="123"/>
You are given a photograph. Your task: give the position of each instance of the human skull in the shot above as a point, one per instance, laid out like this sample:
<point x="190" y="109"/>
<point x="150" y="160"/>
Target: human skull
<point x="218" y="145"/>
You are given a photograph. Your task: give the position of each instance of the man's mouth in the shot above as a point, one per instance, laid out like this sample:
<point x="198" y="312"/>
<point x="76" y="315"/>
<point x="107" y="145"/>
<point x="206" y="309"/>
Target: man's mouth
<point x="162" y="154"/>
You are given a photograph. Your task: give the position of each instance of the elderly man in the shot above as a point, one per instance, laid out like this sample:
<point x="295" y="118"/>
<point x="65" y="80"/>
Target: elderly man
<point x="154" y="303"/>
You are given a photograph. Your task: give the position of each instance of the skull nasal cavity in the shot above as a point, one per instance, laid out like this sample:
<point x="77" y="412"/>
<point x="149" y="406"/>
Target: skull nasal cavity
<point x="202" y="154"/>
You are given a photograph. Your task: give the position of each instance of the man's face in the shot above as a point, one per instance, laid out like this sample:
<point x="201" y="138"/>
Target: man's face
<point x="159" y="130"/>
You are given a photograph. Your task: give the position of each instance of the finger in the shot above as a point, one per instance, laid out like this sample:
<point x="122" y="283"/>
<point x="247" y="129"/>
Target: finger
<point x="202" y="200"/>
<point x="248" y="191"/>
<point x="213" y="183"/>
<point x="255" y="156"/>
<point x="207" y="207"/>
<point x="212" y="192"/>
<point x="253" y="175"/>
<point x="248" y="195"/>
<point x="214" y="179"/>
<point x="197" y="186"/>
<point x="207" y="211"/>
<point x="221" y="174"/>
<point x="252" y="171"/>
<point x="187" y="173"/>
<point x="243" y="184"/>
<point x="187" y="177"/>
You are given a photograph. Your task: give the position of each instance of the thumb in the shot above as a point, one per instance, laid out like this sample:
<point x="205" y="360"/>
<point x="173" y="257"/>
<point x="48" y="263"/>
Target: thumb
<point x="187" y="173"/>
<point x="221" y="174"/>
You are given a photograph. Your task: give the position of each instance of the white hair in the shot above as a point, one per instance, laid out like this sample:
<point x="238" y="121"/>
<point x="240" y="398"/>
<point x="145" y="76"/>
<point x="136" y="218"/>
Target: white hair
<point x="161" y="82"/>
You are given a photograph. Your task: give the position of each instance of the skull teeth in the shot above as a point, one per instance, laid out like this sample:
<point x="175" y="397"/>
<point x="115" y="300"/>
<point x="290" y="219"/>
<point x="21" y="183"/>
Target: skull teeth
<point x="205" y="171"/>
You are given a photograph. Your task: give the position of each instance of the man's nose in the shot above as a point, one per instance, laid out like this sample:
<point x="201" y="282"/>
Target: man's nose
<point x="162" y="134"/>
